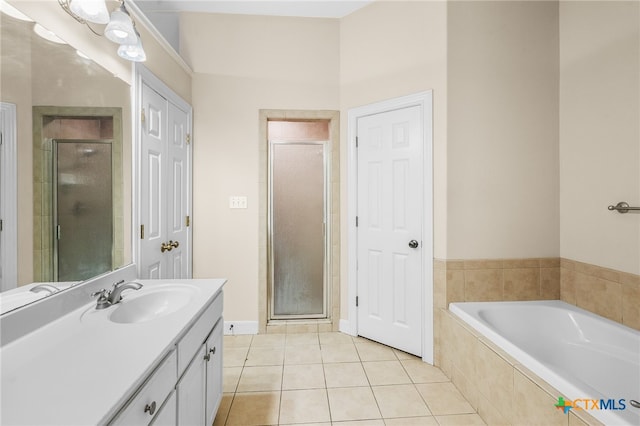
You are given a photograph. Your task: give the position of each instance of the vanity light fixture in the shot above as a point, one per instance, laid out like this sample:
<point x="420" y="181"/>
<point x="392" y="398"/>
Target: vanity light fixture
<point x="90" y="10"/>
<point x="133" y="52"/>
<point x="120" y="28"/>
<point x="47" y="35"/>
<point x="7" y="9"/>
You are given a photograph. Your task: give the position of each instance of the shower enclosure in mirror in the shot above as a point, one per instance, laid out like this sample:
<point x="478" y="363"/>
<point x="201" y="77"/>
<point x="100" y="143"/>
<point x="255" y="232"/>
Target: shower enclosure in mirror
<point x="298" y="219"/>
<point x="77" y="157"/>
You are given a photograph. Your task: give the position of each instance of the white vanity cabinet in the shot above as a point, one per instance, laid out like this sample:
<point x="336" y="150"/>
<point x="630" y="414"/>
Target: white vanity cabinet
<point x="186" y="388"/>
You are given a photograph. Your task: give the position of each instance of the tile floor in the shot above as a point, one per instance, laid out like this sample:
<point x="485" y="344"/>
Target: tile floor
<point x="333" y="379"/>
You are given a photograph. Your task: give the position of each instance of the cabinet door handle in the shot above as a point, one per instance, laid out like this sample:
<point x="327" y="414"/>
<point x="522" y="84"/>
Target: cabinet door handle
<point x="150" y="408"/>
<point x="207" y="357"/>
<point x="212" y="350"/>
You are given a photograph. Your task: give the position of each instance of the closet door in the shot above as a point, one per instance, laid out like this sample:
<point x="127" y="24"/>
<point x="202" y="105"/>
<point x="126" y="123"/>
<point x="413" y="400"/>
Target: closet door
<point x="153" y="215"/>
<point x="178" y="197"/>
<point x="165" y="189"/>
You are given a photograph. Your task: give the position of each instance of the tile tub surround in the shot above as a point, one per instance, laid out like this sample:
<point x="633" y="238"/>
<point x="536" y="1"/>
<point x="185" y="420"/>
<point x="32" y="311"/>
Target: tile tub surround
<point x="480" y="280"/>
<point x="332" y="378"/>
<point x="484" y="280"/>
<point x="612" y="294"/>
<point x="502" y="391"/>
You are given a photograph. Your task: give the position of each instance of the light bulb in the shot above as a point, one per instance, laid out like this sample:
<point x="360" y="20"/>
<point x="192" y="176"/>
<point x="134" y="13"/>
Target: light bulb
<point x="133" y="52"/>
<point x="120" y="28"/>
<point x="91" y="10"/>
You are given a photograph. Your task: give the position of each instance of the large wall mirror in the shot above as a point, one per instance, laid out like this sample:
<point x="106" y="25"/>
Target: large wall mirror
<point x="73" y="127"/>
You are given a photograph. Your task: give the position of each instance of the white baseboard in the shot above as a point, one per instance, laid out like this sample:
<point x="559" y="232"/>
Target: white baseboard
<point x="347" y="328"/>
<point x="240" y="327"/>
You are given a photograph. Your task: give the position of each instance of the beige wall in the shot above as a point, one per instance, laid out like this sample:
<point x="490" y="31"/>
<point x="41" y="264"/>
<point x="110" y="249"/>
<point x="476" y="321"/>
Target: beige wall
<point x="387" y="50"/>
<point x="503" y="130"/>
<point x="600" y="132"/>
<point x="242" y="65"/>
<point x="15" y="88"/>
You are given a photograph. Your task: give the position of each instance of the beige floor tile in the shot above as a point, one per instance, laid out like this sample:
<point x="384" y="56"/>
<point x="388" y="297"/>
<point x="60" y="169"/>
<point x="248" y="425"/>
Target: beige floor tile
<point x="385" y="373"/>
<point x="460" y="420"/>
<point x="265" y="355"/>
<point x="339" y="353"/>
<point x="302" y="339"/>
<point x="412" y="421"/>
<point x="230" y="378"/>
<point x="223" y="410"/>
<point x="254" y="408"/>
<point x="254" y="379"/>
<point x="302" y="328"/>
<point x="303" y="354"/>
<point x="304" y="406"/>
<point x="234" y="357"/>
<point x="403" y="355"/>
<point x="421" y="372"/>
<point x="345" y="374"/>
<point x="444" y="399"/>
<point x="268" y="340"/>
<point x="400" y="401"/>
<point x="240" y="341"/>
<point x="303" y="377"/>
<point x="376" y="422"/>
<point x="332" y="338"/>
<point x="375" y="352"/>
<point x="352" y="404"/>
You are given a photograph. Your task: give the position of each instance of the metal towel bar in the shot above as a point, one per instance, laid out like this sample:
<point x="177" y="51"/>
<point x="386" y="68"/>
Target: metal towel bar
<point x="622" y="207"/>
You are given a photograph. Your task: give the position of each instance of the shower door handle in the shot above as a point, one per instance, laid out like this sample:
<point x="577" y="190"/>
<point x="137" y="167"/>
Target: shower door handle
<point x="413" y="244"/>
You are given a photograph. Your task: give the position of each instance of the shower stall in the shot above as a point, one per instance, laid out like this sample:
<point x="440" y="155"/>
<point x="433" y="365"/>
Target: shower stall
<point x="298" y="211"/>
<point x="82" y="208"/>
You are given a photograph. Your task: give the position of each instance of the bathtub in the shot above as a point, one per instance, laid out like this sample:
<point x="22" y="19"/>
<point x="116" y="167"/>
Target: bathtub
<point x="582" y="355"/>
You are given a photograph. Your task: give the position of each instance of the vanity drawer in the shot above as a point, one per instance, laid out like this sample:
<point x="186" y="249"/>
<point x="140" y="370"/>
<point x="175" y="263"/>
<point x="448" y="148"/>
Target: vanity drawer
<point x="198" y="333"/>
<point x="142" y="408"/>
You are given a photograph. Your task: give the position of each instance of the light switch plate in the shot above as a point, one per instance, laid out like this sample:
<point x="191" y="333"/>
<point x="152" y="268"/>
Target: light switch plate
<point x="237" y="202"/>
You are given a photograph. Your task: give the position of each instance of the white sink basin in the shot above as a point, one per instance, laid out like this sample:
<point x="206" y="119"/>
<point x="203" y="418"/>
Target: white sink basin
<point x="154" y="303"/>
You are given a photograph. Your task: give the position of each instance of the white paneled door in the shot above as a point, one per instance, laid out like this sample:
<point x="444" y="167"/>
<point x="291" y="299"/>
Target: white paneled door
<point x="165" y="179"/>
<point x="389" y="232"/>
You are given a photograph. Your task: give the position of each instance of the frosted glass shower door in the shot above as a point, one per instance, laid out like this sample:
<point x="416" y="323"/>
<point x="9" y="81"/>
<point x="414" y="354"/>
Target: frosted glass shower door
<point x="83" y="209"/>
<point x="297" y="232"/>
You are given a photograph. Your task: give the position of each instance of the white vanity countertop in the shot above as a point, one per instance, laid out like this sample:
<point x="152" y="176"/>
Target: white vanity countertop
<point x="80" y="368"/>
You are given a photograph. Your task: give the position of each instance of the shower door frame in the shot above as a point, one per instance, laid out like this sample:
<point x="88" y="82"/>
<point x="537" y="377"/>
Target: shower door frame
<point x="54" y="203"/>
<point x="326" y="252"/>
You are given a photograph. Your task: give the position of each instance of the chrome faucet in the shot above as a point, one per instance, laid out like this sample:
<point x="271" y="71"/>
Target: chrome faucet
<point x="107" y="298"/>
<point x="44" y="287"/>
<point x="115" y="297"/>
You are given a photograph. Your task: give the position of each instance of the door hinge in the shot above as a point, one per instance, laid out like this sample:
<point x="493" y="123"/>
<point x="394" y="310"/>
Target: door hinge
<point x="143" y="117"/>
<point x="356" y="141"/>
<point x="356" y="301"/>
<point x="58" y="232"/>
<point x="187" y="138"/>
<point x="1" y="138"/>
<point x="142" y="232"/>
<point x="1" y="224"/>
<point x="187" y="220"/>
<point x="356" y="221"/>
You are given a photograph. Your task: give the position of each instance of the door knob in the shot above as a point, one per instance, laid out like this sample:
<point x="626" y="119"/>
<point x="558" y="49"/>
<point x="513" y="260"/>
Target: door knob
<point x="413" y="244"/>
<point x="174" y="244"/>
<point x="166" y="246"/>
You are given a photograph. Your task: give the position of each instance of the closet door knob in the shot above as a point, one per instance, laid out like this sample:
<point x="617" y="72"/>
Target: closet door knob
<point x="150" y="408"/>
<point x="413" y="244"/>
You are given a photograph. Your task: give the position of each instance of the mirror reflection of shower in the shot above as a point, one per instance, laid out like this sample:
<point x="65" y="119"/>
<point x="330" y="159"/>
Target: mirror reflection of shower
<point x="82" y="208"/>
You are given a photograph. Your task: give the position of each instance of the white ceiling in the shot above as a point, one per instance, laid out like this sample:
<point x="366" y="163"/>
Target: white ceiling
<point x="304" y="8"/>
